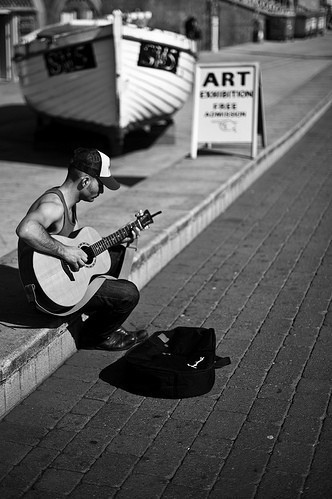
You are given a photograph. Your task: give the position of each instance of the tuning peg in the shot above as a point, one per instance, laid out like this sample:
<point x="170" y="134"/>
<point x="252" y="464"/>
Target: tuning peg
<point x="139" y="213"/>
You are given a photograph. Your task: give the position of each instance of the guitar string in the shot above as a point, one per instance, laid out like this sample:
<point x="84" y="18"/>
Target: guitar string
<point x="102" y="245"/>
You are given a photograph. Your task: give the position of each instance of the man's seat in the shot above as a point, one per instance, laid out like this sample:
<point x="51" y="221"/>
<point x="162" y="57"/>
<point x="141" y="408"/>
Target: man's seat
<point x="32" y="345"/>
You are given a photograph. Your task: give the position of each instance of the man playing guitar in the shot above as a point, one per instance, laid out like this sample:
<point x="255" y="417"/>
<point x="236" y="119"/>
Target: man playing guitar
<point x="54" y="214"/>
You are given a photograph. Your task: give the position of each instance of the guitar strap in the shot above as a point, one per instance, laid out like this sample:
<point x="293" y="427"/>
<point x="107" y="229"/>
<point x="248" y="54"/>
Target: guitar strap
<point x="93" y="286"/>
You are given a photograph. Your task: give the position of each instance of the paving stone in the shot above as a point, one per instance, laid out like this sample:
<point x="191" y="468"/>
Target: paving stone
<point x="235" y="399"/>
<point x="80" y="372"/>
<point x="249" y="465"/>
<point x="112" y="416"/>
<point x="206" y="444"/>
<point x="59" y="385"/>
<point x="12" y="453"/>
<point x="21" y="434"/>
<point x="93" y="491"/>
<point x="306" y="386"/>
<point x="313" y="407"/>
<point x="199" y="473"/>
<point x="229" y="489"/>
<point x="228" y="424"/>
<point x="318" y="366"/>
<point x="84" y="449"/>
<point x="260" y="357"/>
<point x="73" y="422"/>
<point x="278" y="389"/>
<point x="174" y="491"/>
<point x="146" y="422"/>
<point x="87" y="407"/>
<point x="247" y="377"/>
<point x="322" y="457"/>
<point x="318" y="484"/>
<point x="22" y="476"/>
<point x="193" y="409"/>
<point x="161" y="460"/>
<point x="301" y="429"/>
<point x="7" y="492"/>
<point x="129" y="444"/>
<point x="261" y="436"/>
<point x="4" y="469"/>
<point x="269" y="410"/>
<point x="90" y="358"/>
<point x="110" y="470"/>
<point x="283" y="374"/>
<point x="293" y="459"/>
<point x="122" y="397"/>
<point x="43" y="408"/>
<point x="326" y="435"/>
<point x="176" y="434"/>
<point x="275" y="485"/>
<point x="325" y="335"/>
<point x="57" y="439"/>
<point x="100" y="391"/>
<point x="142" y="486"/>
<point x="57" y="482"/>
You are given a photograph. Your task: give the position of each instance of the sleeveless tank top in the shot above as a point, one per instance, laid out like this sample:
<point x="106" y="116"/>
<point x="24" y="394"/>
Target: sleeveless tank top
<point x="68" y="223"/>
<point x="67" y="227"/>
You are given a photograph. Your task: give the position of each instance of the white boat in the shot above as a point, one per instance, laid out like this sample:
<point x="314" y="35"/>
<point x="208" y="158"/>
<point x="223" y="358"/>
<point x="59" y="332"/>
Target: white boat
<point x="107" y="74"/>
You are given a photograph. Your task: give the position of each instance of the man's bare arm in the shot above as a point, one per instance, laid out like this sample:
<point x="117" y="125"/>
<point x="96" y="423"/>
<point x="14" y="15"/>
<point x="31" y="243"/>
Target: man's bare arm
<point x="33" y="230"/>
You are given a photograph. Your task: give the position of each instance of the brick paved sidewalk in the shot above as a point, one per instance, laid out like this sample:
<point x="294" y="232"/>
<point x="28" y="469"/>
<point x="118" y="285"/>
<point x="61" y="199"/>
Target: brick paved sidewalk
<point x="261" y="276"/>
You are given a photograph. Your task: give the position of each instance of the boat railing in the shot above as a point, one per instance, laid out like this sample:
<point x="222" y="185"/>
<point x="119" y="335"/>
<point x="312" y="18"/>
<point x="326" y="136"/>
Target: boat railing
<point x="137" y="17"/>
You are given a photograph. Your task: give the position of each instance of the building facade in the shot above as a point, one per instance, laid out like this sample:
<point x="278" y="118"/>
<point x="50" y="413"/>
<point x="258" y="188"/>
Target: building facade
<point x="19" y="17"/>
<point x="222" y="22"/>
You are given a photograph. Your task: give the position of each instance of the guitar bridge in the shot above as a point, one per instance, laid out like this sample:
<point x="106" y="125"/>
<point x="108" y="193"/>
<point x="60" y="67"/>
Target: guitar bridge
<point x="67" y="270"/>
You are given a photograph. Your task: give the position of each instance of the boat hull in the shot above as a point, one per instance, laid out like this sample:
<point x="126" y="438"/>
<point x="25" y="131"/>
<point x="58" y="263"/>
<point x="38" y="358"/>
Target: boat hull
<point x="106" y="78"/>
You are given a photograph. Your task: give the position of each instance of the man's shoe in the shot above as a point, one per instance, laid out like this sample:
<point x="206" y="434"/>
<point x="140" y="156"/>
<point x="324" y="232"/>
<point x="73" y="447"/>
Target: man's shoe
<point x="121" y="339"/>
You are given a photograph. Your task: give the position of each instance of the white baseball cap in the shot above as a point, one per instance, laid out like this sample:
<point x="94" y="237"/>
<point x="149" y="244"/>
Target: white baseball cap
<point x="94" y="163"/>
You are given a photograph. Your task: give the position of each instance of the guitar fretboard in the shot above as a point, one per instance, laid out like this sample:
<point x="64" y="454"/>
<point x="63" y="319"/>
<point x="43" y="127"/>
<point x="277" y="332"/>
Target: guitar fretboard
<point x="111" y="240"/>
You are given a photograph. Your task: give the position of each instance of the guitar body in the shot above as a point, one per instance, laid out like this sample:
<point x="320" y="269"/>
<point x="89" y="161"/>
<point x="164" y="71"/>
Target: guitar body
<point x="60" y="284"/>
<point x="57" y="287"/>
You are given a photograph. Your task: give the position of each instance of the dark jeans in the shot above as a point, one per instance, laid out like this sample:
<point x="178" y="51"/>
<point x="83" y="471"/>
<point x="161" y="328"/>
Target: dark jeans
<point x="109" y="308"/>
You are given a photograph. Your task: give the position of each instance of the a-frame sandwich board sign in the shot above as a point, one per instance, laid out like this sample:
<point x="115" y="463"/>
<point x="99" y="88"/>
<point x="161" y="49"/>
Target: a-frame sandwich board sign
<point x="228" y="106"/>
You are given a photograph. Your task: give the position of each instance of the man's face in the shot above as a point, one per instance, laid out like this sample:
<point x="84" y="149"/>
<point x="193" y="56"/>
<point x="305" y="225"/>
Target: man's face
<point x="92" y="190"/>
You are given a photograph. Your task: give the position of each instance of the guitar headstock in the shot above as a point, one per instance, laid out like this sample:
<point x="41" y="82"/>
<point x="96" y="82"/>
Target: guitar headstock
<point x="144" y="218"/>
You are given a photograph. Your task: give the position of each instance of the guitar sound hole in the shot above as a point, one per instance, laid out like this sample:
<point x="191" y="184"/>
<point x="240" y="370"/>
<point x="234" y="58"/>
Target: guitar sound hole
<point x="90" y="254"/>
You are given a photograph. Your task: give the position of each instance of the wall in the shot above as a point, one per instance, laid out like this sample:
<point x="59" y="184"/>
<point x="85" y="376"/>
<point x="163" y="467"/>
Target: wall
<point x="170" y="14"/>
<point x="235" y="24"/>
<point x="55" y="7"/>
<point x="235" y="18"/>
<point x="310" y="4"/>
<point x="235" y="21"/>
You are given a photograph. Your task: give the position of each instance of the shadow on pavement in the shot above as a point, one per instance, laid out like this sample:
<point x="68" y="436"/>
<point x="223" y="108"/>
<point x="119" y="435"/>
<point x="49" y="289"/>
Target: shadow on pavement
<point x="21" y="141"/>
<point x="16" y="311"/>
<point x="115" y="374"/>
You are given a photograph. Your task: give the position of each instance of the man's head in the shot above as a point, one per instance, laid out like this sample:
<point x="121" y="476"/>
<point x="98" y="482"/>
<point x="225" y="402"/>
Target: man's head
<point x="94" y="163"/>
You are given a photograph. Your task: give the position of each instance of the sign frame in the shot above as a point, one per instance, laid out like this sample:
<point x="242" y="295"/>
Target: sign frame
<point x="255" y="114"/>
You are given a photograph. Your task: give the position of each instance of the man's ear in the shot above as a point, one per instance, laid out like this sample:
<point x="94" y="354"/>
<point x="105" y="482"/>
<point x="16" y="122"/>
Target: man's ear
<point x="84" y="182"/>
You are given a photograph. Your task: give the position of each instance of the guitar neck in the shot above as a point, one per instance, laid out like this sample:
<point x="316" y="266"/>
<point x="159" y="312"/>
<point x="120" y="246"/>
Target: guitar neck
<point x="113" y="239"/>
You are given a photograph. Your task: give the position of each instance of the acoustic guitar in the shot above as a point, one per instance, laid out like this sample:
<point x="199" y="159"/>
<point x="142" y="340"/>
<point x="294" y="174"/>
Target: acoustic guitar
<point x="61" y="286"/>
